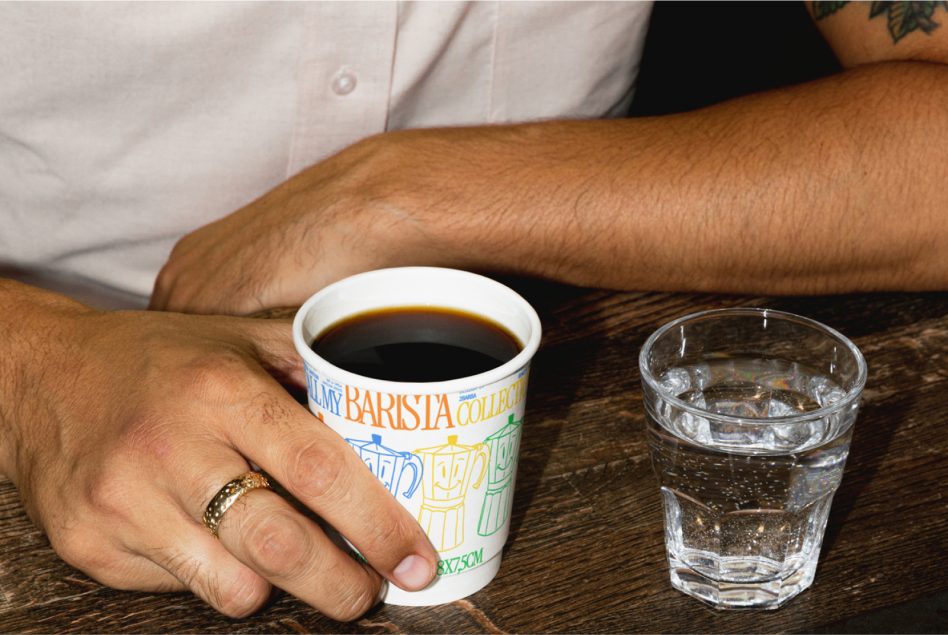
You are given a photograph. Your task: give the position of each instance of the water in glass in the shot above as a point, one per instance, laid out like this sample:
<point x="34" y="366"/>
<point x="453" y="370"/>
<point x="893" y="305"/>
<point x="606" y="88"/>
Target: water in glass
<point x="746" y="501"/>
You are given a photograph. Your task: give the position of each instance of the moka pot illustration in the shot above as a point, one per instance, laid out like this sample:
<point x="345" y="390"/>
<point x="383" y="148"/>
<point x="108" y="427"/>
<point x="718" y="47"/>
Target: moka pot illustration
<point x="504" y="448"/>
<point x="450" y="470"/>
<point x="388" y="465"/>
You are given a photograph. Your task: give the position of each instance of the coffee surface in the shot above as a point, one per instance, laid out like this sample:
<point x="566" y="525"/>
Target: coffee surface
<point x="420" y="344"/>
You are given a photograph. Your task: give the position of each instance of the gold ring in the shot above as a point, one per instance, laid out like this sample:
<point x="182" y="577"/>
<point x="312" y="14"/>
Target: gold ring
<point x="228" y="495"/>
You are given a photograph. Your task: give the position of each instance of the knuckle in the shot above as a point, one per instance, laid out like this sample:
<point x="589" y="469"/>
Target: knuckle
<point x="164" y="281"/>
<point x="277" y="545"/>
<point x="108" y="495"/>
<point x="220" y="376"/>
<point x="318" y="471"/>
<point x="240" y="595"/>
<point x="173" y="272"/>
<point x="179" y="252"/>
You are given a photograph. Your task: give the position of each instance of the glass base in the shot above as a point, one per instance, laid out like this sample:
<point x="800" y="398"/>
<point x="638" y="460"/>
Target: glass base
<point x="768" y="594"/>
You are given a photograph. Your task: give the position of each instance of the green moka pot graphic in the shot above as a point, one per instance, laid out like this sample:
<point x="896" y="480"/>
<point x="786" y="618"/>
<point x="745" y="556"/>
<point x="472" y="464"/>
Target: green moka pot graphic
<point x="450" y="470"/>
<point x="504" y="448"/>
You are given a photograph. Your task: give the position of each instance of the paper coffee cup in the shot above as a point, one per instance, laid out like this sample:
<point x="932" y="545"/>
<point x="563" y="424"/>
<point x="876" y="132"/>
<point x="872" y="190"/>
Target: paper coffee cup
<point x="446" y="450"/>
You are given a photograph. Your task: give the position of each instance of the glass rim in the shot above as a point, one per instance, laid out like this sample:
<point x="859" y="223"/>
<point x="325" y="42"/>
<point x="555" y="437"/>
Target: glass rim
<point x="852" y="394"/>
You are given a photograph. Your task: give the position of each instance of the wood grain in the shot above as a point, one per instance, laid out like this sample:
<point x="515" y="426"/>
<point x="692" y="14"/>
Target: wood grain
<point x="585" y="552"/>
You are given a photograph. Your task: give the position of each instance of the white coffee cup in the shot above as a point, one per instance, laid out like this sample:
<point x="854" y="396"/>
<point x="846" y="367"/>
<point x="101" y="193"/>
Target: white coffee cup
<point x="447" y="450"/>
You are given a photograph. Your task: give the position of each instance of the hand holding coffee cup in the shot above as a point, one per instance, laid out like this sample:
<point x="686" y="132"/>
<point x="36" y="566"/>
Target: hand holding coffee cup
<point x="134" y="430"/>
<point x="423" y="371"/>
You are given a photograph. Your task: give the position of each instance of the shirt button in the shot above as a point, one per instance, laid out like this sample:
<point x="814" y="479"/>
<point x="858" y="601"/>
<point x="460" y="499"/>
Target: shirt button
<point x="344" y="82"/>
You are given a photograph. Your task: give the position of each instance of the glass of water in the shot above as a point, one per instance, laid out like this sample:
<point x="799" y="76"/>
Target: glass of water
<point x="750" y="413"/>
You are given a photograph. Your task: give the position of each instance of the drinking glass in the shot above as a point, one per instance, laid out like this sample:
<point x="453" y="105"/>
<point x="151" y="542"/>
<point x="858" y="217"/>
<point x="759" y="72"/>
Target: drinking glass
<point x="750" y="414"/>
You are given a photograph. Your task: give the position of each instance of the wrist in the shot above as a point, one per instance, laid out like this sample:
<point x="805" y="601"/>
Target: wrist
<point x="489" y="198"/>
<point x="432" y="196"/>
<point x="387" y="207"/>
<point x="35" y="327"/>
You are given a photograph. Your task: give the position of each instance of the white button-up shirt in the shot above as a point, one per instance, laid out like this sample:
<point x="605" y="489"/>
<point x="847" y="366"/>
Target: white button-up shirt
<point x="125" y="126"/>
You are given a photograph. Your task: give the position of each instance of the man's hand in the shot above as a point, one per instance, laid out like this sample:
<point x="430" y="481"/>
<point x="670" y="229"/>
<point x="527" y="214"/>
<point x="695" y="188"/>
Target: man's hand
<point x="119" y="428"/>
<point x="337" y="218"/>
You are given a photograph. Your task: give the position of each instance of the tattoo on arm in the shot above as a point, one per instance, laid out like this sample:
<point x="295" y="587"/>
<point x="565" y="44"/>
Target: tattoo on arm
<point x="903" y="17"/>
<point x="824" y="9"/>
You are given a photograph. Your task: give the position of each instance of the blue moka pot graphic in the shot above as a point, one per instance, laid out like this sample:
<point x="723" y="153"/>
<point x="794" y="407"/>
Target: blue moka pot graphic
<point x="504" y="448"/>
<point x="388" y="465"/>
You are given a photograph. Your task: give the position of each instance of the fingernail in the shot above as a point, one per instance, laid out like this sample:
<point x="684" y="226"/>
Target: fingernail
<point x="412" y="573"/>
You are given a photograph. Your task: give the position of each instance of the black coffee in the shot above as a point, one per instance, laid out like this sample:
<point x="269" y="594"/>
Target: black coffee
<point x="416" y="344"/>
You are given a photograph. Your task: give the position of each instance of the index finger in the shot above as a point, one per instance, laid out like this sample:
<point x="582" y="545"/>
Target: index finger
<point x="317" y="466"/>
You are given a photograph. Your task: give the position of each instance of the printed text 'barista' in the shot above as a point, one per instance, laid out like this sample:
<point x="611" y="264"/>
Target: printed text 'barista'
<point x="428" y="412"/>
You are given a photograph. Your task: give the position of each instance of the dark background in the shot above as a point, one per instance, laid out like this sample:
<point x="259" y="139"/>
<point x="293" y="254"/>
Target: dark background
<point x="700" y="53"/>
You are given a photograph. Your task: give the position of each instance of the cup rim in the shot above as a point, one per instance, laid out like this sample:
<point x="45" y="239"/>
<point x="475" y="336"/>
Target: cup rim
<point x="471" y="382"/>
<point x="851" y="396"/>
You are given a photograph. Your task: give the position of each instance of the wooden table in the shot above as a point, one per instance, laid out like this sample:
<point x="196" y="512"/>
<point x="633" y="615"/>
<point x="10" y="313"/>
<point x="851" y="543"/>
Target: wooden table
<point x="586" y="549"/>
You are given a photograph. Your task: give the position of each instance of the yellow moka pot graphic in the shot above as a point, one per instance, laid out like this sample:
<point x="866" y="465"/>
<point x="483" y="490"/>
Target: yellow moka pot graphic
<point x="504" y="448"/>
<point x="449" y="471"/>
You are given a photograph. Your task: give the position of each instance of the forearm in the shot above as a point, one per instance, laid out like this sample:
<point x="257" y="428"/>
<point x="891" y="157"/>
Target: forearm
<point x="828" y="187"/>
<point x="832" y="186"/>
